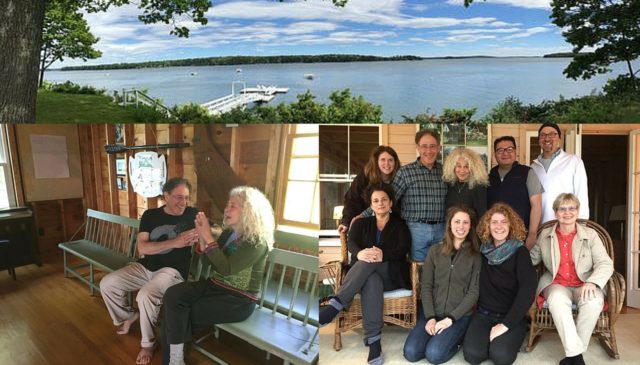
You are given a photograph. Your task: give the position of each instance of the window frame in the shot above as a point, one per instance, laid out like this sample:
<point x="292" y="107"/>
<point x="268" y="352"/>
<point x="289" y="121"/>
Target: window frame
<point x="5" y="163"/>
<point x="291" y="135"/>
<point x="341" y="178"/>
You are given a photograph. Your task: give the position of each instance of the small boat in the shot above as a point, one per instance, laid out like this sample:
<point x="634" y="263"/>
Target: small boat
<point x="238" y="70"/>
<point x="193" y="73"/>
<point x="309" y="76"/>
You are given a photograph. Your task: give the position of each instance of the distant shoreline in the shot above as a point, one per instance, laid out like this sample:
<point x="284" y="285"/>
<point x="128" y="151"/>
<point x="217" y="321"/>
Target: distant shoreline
<point x="254" y="60"/>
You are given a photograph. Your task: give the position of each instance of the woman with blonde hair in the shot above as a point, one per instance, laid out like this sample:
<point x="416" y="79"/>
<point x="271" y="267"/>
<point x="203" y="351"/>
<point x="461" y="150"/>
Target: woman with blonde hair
<point x="577" y="268"/>
<point x="507" y="289"/>
<point x="465" y="174"/>
<point x="381" y="167"/>
<point x="237" y="259"/>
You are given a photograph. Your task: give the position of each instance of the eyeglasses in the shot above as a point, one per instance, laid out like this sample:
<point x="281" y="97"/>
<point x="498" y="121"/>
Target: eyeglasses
<point x="567" y="209"/>
<point x="505" y="150"/>
<point x="550" y="135"/>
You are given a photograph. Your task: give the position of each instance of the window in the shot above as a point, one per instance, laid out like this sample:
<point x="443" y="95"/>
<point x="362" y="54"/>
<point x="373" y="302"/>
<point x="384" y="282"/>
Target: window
<point x="301" y="194"/>
<point x="454" y="135"/>
<point x="7" y="196"/>
<point x="344" y="150"/>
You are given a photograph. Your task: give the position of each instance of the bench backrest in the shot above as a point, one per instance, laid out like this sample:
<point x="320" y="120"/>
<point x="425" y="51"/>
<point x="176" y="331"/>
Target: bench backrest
<point x="304" y="284"/>
<point x="296" y="242"/>
<point x="112" y="231"/>
<point x="290" y="284"/>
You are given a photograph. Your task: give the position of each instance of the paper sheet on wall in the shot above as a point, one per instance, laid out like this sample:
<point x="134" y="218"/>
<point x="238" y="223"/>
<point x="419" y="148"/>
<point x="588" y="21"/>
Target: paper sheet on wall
<point x="50" y="156"/>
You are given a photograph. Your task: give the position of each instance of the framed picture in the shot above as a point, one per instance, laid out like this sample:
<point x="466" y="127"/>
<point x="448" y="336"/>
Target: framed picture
<point x="119" y="129"/>
<point x="121" y="183"/>
<point x="121" y="167"/>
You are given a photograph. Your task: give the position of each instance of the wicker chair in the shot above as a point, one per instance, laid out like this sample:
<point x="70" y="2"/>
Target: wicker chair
<point x="400" y="306"/>
<point x="616" y="289"/>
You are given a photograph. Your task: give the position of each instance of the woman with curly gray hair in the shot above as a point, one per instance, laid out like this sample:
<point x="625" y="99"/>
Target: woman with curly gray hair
<point x="237" y="258"/>
<point x="466" y="177"/>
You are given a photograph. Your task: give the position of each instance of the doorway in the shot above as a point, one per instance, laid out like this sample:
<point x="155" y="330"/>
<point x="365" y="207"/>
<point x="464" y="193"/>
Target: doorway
<point x="606" y="162"/>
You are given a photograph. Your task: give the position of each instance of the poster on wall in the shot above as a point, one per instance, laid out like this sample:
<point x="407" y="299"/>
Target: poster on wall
<point x="50" y="157"/>
<point x="147" y="173"/>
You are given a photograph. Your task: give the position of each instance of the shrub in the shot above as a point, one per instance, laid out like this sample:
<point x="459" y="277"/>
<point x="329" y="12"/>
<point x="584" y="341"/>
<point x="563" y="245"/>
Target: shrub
<point x="190" y="113"/>
<point x="622" y="85"/>
<point x="145" y="114"/>
<point x="72" y="88"/>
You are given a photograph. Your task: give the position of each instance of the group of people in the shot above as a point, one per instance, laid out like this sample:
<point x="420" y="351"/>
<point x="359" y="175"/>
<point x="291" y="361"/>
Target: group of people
<point x="166" y="239"/>
<point x="476" y="233"/>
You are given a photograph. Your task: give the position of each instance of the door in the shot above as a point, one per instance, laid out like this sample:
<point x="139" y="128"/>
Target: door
<point x="633" y="222"/>
<point x="572" y="140"/>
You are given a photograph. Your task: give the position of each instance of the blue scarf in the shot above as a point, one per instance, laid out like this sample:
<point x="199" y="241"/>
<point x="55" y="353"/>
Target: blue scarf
<point x="497" y="255"/>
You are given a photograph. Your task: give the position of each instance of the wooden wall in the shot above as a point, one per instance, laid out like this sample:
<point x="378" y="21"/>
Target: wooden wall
<point x="243" y="155"/>
<point x="401" y="137"/>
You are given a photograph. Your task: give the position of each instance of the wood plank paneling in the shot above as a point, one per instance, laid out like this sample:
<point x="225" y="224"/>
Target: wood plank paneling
<point x="258" y="152"/>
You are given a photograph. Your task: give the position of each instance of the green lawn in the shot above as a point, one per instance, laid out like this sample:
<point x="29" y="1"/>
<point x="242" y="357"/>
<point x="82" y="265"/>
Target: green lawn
<point x="52" y="107"/>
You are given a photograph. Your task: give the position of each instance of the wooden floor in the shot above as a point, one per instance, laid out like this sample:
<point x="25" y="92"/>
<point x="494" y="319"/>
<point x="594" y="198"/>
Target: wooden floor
<point x="48" y="319"/>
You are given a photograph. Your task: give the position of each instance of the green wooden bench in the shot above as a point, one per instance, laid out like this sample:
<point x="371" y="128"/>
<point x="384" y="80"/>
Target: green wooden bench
<point x="109" y="244"/>
<point x="282" y="323"/>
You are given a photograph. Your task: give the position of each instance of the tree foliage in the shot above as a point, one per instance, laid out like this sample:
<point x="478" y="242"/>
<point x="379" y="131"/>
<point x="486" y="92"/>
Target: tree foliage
<point x="611" y="28"/>
<point x="344" y="108"/>
<point x="65" y="34"/>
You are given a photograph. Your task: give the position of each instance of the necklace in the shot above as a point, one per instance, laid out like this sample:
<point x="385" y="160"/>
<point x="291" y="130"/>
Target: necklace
<point x="460" y="186"/>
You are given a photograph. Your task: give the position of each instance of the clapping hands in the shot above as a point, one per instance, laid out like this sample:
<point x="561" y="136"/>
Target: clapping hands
<point x="203" y="227"/>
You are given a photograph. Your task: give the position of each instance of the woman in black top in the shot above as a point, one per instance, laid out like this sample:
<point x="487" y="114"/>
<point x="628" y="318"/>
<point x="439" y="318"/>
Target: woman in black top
<point x="381" y="168"/>
<point x="507" y="289"/>
<point x="466" y="176"/>
<point x="378" y="246"/>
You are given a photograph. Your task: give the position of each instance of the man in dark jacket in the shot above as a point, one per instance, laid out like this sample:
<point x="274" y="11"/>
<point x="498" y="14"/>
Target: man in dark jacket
<point x="516" y="185"/>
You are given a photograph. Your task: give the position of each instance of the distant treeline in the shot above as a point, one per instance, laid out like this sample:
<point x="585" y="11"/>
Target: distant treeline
<point x="563" y="54"/>
<point x="244" y="60"/>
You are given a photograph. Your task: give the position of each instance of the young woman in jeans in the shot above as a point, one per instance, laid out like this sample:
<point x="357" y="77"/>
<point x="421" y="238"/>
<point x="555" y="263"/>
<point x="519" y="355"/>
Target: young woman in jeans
<point x="449" y="291"/>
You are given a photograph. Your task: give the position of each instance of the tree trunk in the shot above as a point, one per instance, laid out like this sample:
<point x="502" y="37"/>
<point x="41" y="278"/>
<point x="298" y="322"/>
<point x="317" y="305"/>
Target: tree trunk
<point x="21" y="24"/>
<point x="633" y="76"/>
<point x="43" y="59"/>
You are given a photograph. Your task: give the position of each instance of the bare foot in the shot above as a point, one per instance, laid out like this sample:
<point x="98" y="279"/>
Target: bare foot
<point x="126" y="325"/>
<point x="144" y="356"/>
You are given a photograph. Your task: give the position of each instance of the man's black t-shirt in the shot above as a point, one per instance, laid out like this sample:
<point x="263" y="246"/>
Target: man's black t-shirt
<point x="161" y="227"/>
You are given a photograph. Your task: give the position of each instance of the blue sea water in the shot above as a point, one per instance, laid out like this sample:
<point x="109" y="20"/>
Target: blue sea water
<point x="400" y="87"/>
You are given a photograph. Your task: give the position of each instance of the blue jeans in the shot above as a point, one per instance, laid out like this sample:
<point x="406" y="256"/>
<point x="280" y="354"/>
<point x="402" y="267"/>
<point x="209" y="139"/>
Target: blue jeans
<point x="423" y="236"/>
<point x="439" y="348"/>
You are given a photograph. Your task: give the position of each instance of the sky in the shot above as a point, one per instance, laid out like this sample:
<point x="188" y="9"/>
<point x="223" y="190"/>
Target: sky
<point x="431" y="28"/>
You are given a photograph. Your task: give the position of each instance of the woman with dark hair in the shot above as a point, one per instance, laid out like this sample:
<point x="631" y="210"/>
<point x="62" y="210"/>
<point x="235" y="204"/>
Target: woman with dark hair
<point x="449" y="291"/>
<point x="507" y="289"/>
<point x="381" y="168"/>
<point x="466" y="176"/>
<point x="378" y="246"/>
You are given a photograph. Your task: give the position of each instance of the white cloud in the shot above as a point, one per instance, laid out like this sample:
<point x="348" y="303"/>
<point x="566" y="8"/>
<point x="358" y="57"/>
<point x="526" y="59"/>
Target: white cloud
<point x="527" y="4"/>
<point x="528" y="33"/>
<point x="386" y="13"/>
<point x="257" y="25"/>
<point x="466" y="38"/>
<point x="479" y="30"/>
